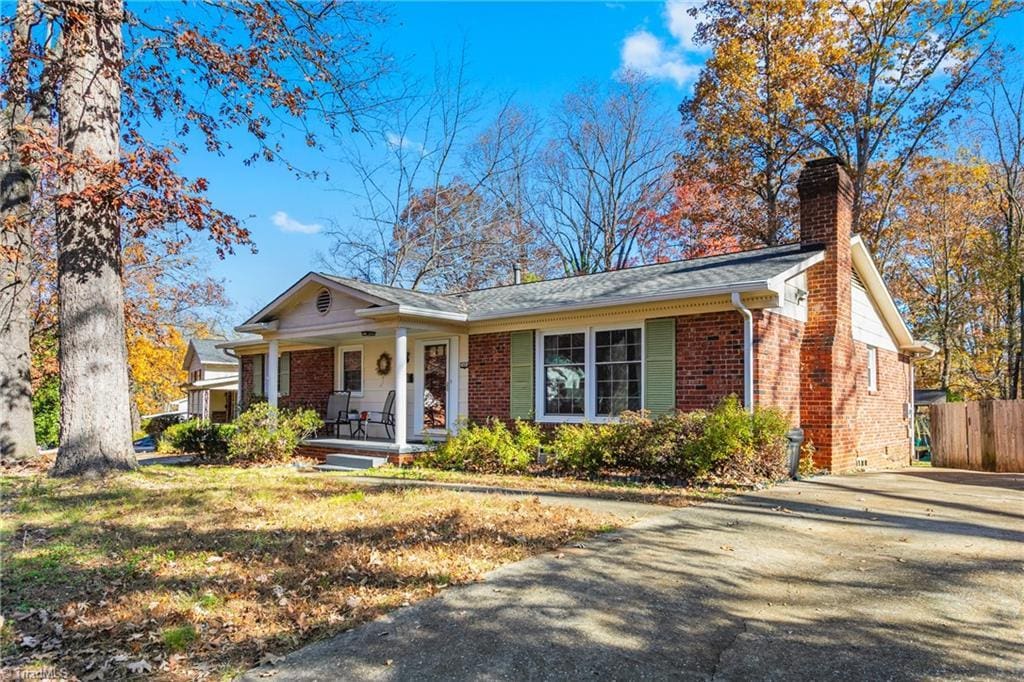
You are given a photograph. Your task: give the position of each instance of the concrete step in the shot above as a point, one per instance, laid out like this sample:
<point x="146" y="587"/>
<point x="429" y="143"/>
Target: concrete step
<point x="349" y="462"/>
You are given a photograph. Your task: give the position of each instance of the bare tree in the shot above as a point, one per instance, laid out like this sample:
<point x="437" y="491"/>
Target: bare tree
<point x="438" y="208"/>
<point x="902" y="67"/>
<point x="1002" y="136"/>
<point x="606" y="174"/>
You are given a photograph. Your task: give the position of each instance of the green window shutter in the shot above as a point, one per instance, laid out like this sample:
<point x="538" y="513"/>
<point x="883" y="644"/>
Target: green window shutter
<point x="521" y="375"/>
<point x="660" y="371"/>
<point x="284" y="374"/>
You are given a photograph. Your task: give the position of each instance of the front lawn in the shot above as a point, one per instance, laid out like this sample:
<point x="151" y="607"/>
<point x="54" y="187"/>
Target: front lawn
<point x="626" y="491"/>
<point x="203" y="572"/>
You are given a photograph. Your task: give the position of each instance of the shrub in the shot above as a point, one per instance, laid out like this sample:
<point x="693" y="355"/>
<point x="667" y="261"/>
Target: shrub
<point x="583" y="448"/>
<point x="265" y="434"/>
<point x="46" y="412"/>
<point x="487" y="448"/>
<point x="156" y="426"/>
<point x="203" y="439"/>
<point x="726" y="443"/>
<point x="738" y="446"/>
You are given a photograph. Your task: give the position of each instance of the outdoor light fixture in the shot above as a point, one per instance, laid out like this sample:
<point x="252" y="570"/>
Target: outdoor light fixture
<point x="368" y="332"/>
<point x="464" y="364"/>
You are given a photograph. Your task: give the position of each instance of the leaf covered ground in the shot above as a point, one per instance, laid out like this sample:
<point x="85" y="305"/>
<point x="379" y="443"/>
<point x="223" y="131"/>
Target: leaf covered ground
<point x="196" y="572"/>
<point x="620" y="490"/>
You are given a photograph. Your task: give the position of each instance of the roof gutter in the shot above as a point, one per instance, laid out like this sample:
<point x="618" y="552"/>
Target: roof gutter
<point x="748" y="351"/>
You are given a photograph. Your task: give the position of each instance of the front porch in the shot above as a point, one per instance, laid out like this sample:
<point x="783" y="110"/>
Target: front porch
<point x="321" y="449"/>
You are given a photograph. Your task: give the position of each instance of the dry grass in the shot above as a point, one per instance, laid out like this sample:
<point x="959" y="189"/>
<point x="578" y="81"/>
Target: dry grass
<point x="187" y="573"/>
<point x="625" y="491"/>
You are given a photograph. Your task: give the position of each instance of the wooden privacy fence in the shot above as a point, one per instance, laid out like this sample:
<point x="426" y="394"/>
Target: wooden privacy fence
<point x="983" y="436"/>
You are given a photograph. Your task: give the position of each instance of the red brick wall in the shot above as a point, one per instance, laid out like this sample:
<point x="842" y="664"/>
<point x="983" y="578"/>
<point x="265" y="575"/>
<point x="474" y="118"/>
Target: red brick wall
<point x="827" y="405"/>
<point x="709" y="359"/>
<point x="777" y="342"/>
<point x="246" y="368"/>
<point x="312" y="380"/>
<point x="882" y="435"/>
<point x="489" y="376"/>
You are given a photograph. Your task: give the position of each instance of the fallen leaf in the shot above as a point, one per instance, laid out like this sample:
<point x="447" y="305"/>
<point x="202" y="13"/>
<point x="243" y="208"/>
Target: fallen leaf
<point x="139" y="667"/>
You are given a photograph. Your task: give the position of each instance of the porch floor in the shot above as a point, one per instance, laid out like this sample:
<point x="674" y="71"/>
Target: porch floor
<point x="370" y="444"/>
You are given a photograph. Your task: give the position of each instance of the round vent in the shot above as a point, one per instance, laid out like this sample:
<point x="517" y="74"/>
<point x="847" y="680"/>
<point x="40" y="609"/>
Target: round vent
<point x="323" y="301"/>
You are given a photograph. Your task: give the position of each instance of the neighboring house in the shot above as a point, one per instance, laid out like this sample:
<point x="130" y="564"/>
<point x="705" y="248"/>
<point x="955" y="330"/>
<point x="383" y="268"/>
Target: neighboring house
<point x="809" y="328"/>
<point x="212" y="384"/>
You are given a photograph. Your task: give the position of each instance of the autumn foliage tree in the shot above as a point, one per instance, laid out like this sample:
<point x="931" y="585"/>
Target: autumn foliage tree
<point x="247" y="65"/>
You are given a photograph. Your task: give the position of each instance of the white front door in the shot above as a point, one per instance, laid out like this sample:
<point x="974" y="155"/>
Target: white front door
<point x="435" y="388"/>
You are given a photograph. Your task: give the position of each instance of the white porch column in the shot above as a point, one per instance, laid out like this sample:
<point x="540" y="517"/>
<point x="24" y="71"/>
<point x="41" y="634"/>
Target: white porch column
<point x="401" y="349"/>
<point x="270" y="374"/>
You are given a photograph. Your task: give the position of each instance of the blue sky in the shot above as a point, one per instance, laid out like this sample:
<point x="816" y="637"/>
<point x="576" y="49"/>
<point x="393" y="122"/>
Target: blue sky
<point x="533" y="51"/>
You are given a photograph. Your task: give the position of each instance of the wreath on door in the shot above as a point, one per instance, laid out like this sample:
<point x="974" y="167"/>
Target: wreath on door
<point x="384" y="365"/>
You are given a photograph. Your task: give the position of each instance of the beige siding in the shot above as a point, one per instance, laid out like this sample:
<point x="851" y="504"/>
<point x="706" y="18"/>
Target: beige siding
<point x="301" y="311"/>
<point x="868" y="326"/>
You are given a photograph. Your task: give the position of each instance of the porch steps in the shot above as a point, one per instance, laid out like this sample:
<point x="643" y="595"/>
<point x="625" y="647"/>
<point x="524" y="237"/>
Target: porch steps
<point x="341" y="461"/>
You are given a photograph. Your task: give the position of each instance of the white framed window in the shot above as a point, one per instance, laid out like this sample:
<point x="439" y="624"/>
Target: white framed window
<point x="589" y="374"/>
<point x="348" y="369"/>
<point x="872" y="369"/>
<point x="618" y="371"/>
<point x="564" y="381"/>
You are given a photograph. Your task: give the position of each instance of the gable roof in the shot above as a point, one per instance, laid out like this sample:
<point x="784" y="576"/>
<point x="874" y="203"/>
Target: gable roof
<point x="398" y="296"/>
<point x="740" y="271"/>
<point x="208" y="353"/>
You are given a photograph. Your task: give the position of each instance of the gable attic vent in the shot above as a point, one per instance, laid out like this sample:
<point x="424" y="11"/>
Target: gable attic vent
<point x="323" y="301"/>
<point x="857" y="281"/>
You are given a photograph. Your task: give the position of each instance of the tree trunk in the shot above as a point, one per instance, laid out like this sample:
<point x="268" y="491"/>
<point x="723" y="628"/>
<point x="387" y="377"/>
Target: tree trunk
<point x="17" y="429"/>
<point x="95" y="435"/>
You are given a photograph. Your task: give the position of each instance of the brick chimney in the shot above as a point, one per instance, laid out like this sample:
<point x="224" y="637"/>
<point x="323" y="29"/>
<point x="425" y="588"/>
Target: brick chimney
<point x="828" y="374"/>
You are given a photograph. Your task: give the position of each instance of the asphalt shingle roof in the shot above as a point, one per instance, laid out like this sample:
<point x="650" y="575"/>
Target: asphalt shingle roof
<point x="678" y="277"/>
<point x="685" y="278"/>
<point x="408" y="297"/>
<point x="207" y="351"/>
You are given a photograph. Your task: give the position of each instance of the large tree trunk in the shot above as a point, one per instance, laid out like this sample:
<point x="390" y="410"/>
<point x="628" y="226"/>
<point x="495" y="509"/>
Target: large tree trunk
<point x="17" y="430"/>
<point x="95" y="417"/>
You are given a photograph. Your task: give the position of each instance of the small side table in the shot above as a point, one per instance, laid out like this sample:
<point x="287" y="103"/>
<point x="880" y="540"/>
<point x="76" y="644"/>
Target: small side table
<point x="361" y="419"/>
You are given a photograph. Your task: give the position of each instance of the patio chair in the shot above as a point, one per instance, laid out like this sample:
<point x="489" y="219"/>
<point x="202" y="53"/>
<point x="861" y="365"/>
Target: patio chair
<point x="385" y="417"/>
<point x="337" y="412"/>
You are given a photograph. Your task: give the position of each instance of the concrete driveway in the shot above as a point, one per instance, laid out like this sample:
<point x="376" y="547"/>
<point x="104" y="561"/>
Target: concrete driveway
<point x="916" y="574"/>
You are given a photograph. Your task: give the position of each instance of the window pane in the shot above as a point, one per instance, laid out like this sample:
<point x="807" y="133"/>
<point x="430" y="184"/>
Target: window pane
<point x="352" y="371"/>
<point x="564" y="389"/>
<point x="617" y="353"/>
<point x="564" y="349"/>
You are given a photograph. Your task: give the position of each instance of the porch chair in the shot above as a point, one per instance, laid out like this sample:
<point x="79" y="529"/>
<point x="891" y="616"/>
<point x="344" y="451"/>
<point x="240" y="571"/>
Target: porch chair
<point x="386" y="417"/>
<point x="337" y="412"/>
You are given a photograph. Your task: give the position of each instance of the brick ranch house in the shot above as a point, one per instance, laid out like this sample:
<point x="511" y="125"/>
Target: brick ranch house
<point x="809" y="328"/>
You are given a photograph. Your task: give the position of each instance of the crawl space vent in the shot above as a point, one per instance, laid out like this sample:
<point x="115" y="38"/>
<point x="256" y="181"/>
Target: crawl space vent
<point x="323" y="301"/>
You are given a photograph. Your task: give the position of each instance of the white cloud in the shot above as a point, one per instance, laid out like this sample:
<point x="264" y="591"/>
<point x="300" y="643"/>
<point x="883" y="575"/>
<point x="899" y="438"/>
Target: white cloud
<point x="646" y="53"/>
<point x="681" y="25"/>
<point x="288" y="224"/>
<point x="396" y="141"/>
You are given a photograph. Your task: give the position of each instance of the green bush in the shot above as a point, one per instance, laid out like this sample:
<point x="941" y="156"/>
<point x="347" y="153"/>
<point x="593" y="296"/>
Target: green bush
<point x="487" y="448"/>
<point x="726" y="443"/>
<point x="584" y="448"/>
<point x="265" y="434"/>
<point x="156" y="426"/>
<point x="202" y="439"/>
<point x="46" y="412"/>
<point x="738" y="446"/>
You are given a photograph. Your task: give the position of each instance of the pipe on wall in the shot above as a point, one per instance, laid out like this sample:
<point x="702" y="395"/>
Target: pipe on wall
<point x="748" y="351"/>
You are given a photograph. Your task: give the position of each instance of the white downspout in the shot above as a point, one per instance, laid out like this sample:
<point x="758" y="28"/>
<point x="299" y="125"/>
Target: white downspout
<point x="748" y="351"/>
